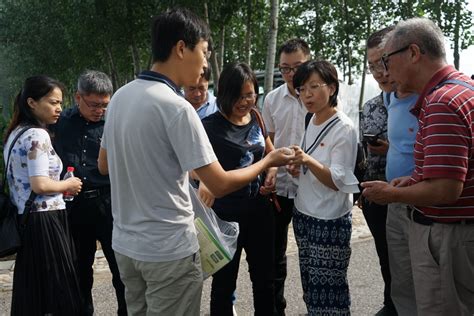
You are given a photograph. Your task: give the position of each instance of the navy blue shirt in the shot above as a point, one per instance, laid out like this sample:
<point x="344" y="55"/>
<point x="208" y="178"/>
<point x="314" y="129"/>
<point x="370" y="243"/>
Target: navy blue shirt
<point x="236" y="147"/>
<point x="77" y="142"/>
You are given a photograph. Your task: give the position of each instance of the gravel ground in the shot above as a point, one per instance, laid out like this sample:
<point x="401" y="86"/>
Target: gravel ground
<point x="366" y="284"/>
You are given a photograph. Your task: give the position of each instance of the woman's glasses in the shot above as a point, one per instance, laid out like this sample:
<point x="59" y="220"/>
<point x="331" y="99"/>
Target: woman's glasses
<point x="312" y="88"/>
<point x="248" y="97"/>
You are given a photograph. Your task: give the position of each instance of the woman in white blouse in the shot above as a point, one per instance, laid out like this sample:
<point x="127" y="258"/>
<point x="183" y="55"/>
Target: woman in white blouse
<point x="322" y="213"/>
<point x="44" y="280"/>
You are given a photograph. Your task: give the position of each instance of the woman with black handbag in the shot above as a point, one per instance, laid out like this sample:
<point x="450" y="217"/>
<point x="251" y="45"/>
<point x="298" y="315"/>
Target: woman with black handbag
<point x="44" y="280"/>
<point x="239" y="141"/>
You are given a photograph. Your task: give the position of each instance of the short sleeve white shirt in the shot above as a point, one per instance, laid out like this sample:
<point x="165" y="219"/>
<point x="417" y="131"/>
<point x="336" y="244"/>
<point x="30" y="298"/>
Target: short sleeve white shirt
<point x="338" y="152"/>
<point x="32" y="155"/>
<point x="284" y="115"/>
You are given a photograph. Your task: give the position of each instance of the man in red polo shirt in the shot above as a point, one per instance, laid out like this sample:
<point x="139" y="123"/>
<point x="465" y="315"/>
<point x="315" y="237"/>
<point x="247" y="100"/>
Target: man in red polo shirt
<point x="440" y="191"/>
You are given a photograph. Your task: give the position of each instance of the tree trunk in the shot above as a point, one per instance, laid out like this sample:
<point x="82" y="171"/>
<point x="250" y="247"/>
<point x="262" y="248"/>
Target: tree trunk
<point x="248" y="35"/>
<point x="214" y="65"/>
<point x="135" y="57"/>
<point x="348" y="45"/>
<point x="344" y="71"/>
<point x="133" y="44"/>
<point x="113" y="68"/>
<point x="362" y="85"/>
<point x="437" y="13"/>
<point x="150" y="61"/>
<point x="221" y="48"/>
<point x="271" y="49"/>
<point x="456" y="35"/>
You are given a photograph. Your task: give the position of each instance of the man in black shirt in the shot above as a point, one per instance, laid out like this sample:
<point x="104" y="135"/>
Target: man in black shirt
<point x="77" y="137"/>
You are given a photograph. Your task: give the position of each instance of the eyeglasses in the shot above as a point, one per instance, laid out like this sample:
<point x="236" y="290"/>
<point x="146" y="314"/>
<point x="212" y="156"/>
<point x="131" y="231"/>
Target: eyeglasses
<point x="195" y="89"/>
<point x="375" y="68"/>
<point x="311" y="88"/>
<point x="286" y="70"/>
<point x="208" y="54"/>
<point x="95" y="106"/>
<point x="385" y="57"/>
<point x="248" y="97"/>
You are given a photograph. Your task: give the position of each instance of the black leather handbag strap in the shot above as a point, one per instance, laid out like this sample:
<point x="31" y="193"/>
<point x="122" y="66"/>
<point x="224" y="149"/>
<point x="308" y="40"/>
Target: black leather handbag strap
<point x="29" y="202"/>
<point x="23" y="130"/>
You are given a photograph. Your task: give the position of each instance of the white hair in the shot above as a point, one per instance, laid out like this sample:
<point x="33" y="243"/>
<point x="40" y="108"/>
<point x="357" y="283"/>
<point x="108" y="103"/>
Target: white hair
<point x="422" y="32"/>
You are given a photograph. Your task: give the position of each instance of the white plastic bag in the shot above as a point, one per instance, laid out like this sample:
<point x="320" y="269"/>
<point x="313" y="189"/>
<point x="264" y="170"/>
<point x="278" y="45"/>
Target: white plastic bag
<point x="217" y="238"/>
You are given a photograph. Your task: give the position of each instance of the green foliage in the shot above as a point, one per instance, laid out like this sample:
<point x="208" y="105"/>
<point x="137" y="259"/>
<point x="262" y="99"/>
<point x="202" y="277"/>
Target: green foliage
<point x="65" y="37"/>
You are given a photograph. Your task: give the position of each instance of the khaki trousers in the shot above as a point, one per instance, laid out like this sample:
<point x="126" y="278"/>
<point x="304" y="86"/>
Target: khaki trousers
<point x="402" y="288"/>
<point x="162" y="288"/>
<point x="442" y="257"/>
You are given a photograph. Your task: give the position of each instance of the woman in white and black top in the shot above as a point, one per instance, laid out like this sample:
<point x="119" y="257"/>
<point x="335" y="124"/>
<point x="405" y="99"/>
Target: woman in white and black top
<point x="322" y="214"/>
<point x="44" y="280"/>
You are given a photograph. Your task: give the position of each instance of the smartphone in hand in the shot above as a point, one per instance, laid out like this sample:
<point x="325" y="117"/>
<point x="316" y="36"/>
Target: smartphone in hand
<point x="371" y="139"/>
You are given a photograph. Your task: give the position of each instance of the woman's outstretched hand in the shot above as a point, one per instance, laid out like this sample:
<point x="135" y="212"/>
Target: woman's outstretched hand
<point x="280" y="157"/>
<point x="270" y="181"/>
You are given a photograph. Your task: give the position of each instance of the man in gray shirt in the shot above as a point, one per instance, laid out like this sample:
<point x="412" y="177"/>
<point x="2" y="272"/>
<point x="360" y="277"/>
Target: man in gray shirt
<point x="152" y="139"/>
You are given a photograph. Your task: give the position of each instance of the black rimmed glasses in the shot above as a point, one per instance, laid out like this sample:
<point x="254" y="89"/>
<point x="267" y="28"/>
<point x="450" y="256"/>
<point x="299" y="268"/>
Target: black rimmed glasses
<point x="311" y="88"/>
<point x="95" y="106"/>
<point x="286" y="70"/>
<point x="248" y="97"/>
<point x="385" y="57"/>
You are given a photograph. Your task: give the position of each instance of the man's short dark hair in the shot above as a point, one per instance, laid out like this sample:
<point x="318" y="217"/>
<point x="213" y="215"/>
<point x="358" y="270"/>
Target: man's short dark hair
<point x="173" y="26"/>
<point x="293" y="45"/>
<point x="207" y="74"/>
<point x="230" y="85"/>
<point x="376" y="38"/>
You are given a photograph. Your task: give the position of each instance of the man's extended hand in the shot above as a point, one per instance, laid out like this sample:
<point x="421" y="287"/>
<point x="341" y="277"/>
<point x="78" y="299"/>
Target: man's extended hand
<point x="378" y="191"/>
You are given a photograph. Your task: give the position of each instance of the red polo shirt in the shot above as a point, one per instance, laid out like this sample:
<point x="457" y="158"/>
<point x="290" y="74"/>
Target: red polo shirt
<point x="444" y="142"/>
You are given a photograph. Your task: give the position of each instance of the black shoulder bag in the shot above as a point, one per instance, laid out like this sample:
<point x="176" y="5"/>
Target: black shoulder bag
<point x="10" y="229"/>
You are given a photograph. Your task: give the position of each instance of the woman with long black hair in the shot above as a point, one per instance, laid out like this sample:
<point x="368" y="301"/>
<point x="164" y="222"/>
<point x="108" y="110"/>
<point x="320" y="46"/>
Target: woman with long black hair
<point x="44" y="280"/>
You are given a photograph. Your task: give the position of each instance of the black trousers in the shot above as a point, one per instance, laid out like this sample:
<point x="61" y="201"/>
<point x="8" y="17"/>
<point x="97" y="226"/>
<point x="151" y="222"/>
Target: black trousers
<point x="256" y="237"/>
<point x="376" y="218"/>
<point x="91" y="221"/>
<point x="282" y="221"/>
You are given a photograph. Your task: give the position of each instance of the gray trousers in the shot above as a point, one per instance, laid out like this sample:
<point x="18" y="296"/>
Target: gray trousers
<point x="402" y="288"/>
<point x="162" y="288"/>
<point x="442" y="257"/>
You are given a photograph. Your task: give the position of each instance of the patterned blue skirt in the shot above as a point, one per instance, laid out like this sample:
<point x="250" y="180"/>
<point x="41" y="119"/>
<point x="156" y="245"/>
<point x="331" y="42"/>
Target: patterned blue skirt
<point x="324" y="252"/>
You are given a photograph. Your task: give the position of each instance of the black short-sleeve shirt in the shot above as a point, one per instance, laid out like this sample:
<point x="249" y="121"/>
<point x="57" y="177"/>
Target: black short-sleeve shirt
<point x="236" y="147"/>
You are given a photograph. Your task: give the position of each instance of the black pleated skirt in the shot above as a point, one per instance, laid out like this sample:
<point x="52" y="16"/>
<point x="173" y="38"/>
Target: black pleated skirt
<point x="45" y="280"/>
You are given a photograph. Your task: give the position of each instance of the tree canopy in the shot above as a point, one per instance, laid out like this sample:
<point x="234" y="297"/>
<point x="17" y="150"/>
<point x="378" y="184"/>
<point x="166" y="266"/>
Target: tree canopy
<point x="65" y="37"/>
